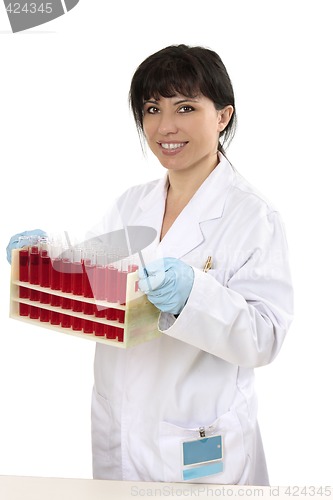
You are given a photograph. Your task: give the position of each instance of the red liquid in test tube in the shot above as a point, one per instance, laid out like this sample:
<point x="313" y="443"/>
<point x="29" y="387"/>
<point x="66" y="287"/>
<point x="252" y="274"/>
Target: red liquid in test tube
<point x="110" y="332"/>
<point x="100" y="277"/>
<point x="55" y="281"/>
<point x="77" y="306"/>
<point x="34" y="271"/>
<point x="55" y="301"/>
<point x="100" y="312"/>
<point x="65" y="275"/>
<point x="111" y="283"/>
<point x="112" y="314"/>
<point x="55" y="318"/>
<point x="88" y="326"/>
<point x="44" y="315"/>
<point x="45" y="268"/>
<point x="77" y="270"/>
<point x="24" y="293"/>
<point x="34" y="265"/>
<point x="66" y="278"/>
<point x="24" y="264"/>
<point x="99" y="329"/>
<point x="66" y="321"/>
<point x="121" y="316"/>
<point x="44" y="298"/>
<point x="66" y="303"/>
<point x="77" y="278"/>
<point x="131" y="269"/>
<point x="44" y="275"/>
<point x="88" y="308"/>
<point x="88" y="279"/>
<point x="24" y="309"/>
<point x="55" y="250"/>
<point x="122" y="283"/>
<point x="120" y="334"/>
<point x="34" y="312"/>
<point x="77" y="323"/>
<point x="113" y="333"/>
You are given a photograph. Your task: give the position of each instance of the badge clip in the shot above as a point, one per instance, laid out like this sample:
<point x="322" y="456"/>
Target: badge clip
<point x="202" y="432"/>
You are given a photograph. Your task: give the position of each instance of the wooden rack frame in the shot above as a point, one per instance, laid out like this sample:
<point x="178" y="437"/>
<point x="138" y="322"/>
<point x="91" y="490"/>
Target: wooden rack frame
<point x="141" y="317"/>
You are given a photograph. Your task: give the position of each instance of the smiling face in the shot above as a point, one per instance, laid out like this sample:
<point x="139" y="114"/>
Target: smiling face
<point x="183" y="132"/>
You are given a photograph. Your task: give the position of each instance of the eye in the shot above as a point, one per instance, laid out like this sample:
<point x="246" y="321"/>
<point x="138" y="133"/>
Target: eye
<point x="185" y="109"/>
<point x="152" y="110"/>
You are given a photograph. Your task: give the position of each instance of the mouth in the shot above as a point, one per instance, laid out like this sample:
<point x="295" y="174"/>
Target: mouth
<point x="172" y="147"/>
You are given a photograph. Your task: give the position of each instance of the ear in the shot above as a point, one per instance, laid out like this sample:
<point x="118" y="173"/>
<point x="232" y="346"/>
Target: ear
<point x="224" y="116"/>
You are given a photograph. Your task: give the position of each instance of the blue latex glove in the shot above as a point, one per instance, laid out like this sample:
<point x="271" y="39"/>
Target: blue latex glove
<point x="14" y="241"/>
<point x="167" y="283"/>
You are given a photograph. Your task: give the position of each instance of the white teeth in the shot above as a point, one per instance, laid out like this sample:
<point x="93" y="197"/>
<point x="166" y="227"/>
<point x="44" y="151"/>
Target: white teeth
<point x="172" y="145"/>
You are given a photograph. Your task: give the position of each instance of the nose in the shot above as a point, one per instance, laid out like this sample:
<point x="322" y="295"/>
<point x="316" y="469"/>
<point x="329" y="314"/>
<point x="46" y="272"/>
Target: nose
<point x="167" y="124"/>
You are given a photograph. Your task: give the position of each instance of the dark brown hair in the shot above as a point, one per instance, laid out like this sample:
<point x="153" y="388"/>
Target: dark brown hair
<point x="188" y="71"/>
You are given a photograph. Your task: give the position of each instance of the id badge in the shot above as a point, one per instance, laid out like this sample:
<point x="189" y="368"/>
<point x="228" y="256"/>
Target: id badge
<point x="202" y="457"/>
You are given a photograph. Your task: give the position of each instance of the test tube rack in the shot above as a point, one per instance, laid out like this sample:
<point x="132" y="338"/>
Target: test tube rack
<point x="140" y="317"/>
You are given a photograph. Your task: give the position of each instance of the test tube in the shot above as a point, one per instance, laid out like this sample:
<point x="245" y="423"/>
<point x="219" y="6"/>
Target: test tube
<point x="113" y="333"/>
<point x="24" y="293"/>
<point x="76" y="323"/>
<point x="34" y="267"/>
<point x="55" y="251"/>
<point x="88" y="280"/>
<point x="120" y="334"/>
<point x="122" y="282"/>
<point x="100" y="312"/>
<point x="66" y="321"/>
<point x="34" y="312"/>
<point x="44" y="315"/>
<point x="131" y="269"/>
<point x="112" y="314"/>
<point x="24" y="258"/>
<point x="88" y="326"/>
<point x="99" y="329"/>
<point x="55" y="318"/>
<point x="121" y="315"/>
<point x="66" y="277"/>
<point x="77" y="268"/>
<point x="45" y="262"/>
<point x="110" y="332"/>
<point x="34" y="261"/>
<point x="111" y="279"/>
<point x="100" y="276"/>
<point x="44" y="275"/>
<point x="66" y="270"/>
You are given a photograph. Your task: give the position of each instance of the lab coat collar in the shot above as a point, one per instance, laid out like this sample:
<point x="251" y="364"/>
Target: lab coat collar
<point x="206" y="204"/>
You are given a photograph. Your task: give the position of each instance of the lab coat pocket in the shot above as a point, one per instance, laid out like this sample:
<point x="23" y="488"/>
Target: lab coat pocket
<point x="233" y="456"/>
<point x="101" y="426"/>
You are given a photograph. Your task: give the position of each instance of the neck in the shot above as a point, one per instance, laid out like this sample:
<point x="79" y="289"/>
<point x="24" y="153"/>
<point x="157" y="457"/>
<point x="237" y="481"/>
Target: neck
<point x="184" y="183"/>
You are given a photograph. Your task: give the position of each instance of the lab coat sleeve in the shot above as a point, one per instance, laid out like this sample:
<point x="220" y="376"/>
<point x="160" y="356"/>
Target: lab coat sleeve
<point x="245" y="320"/>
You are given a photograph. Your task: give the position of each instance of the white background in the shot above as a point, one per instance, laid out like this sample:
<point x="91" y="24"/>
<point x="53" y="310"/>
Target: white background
<point x="69" y="147"/>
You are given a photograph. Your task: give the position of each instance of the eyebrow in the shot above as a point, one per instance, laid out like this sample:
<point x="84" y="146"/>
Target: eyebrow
<point x="181" y="101"/>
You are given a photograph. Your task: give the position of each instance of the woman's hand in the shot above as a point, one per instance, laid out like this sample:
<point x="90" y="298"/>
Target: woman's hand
<point x="14" y="241"/>
<point x="167" y="283"/>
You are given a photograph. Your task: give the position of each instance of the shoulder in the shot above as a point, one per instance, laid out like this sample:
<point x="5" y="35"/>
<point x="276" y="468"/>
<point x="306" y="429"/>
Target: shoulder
<point x="247" y="209"/>
<point x="247" y="199"/>
<point x="137" y="192"/>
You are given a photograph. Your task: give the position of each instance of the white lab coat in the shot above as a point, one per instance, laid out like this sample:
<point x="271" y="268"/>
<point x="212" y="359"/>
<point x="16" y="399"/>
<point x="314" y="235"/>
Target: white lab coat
<point x="200" y="372"/>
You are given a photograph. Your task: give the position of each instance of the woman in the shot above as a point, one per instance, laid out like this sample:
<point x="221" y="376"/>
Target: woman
<point x="197" y="378"/>
<point x="183" y="406"/>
